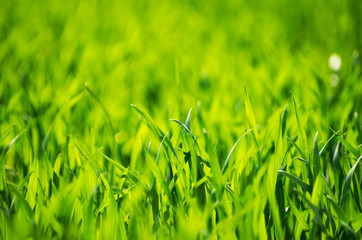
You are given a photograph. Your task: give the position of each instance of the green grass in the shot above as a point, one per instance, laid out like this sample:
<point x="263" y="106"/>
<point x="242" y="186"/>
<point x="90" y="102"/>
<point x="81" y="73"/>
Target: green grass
<point x="180" y="119"/>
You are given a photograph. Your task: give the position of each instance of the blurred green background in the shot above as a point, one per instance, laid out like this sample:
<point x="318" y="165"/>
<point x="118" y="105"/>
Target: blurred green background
<point x="159" y="53"/>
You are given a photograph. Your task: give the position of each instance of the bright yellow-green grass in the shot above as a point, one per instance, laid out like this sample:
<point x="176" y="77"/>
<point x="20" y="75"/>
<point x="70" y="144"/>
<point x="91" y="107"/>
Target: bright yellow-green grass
<point x="180" y="119"/>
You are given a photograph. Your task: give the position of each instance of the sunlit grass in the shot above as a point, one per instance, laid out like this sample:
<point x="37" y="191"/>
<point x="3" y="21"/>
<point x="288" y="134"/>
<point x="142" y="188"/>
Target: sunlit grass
<point x="180" y="120"/>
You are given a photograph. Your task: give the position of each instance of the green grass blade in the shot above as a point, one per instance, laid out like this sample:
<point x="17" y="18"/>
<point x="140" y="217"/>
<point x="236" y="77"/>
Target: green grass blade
<point x="348" y="179"/>
<point x="188" y="120"/>
<point x="297" y="147"/>
<point x="316" y="160"/>
<point x="226" y="164"/>
<point x="251" y="118"/>
<point x="324" y="146"/>
<point x="347" y="144"/>
<point x="297" y="180"/>
<point x="301" y="134"/>
<point x="155" y="129"/>
<point x="26" y="206"/>
<point x="357" y="222"/>
<point x="184" y="126"/>
<point x="298" y="214"/>
<point x="5" y="135"/>
<point x="284" y="120"/>
<point x="157" y="173"/>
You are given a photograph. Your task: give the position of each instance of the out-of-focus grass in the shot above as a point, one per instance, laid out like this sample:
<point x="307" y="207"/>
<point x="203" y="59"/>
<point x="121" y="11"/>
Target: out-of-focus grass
<point x="270" y="149"/>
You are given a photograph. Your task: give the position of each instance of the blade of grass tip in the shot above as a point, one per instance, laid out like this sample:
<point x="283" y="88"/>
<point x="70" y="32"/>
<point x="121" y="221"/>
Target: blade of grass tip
<point x="346" y="144"/>
<point x="289" y="147"/>
<point x="335" y="159"/>
<point x="329" y="188"/>
<point x="188" y="120"/>
<point x="297" y="180"/>
<point x="159" y="148"/>
<point x="348" y="179"/>
<point x="226" y="164"/>
<point x="297" y="147"/>
<point x="149" y="121"/>
<point x="184" y="126"/>
<point x="118" y="165"/>
<point x="301" y="133"/>
<point x="125" y="171"/>
<point x="155" y="129"/>
<point x="302" y="160"/>
<point x="90" y="160"/>
<point x="284" y="120"/>
<point x="324" y="146"/>
<point x="187" y="127"/>
<point x="251" y="118"/>
<point x="316" y="160"/>
<point x="149" y="147"/>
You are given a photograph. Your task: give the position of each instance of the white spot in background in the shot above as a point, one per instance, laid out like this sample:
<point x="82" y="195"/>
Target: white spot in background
<point x="334" y="80"/>
<point x="335" y="62"/>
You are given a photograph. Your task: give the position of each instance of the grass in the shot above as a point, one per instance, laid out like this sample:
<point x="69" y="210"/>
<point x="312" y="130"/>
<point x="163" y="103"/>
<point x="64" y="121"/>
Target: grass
<point x="180" y="119"/>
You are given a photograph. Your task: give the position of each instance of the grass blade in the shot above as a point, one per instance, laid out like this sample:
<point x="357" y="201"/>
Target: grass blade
<point x="297" y="147"/>
<point x="348" y="179"/>
<point x="297" y="180"/>
<point x="347" y="145"/>
<point x="316" y="160"/>
<point x="251" y="118"/>
<point x="155" y="129"/>
<point x="301" y="134"/>
<point x="226" y="164"/>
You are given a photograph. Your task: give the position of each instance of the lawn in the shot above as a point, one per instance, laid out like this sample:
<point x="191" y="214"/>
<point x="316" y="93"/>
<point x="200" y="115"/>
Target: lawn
<point x="180" y="119"/>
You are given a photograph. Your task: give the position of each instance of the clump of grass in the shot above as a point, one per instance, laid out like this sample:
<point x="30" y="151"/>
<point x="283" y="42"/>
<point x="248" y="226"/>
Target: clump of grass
<point x="272" y="184"/>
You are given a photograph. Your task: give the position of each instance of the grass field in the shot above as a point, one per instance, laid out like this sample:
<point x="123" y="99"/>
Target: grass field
<point x="180" y="119"/>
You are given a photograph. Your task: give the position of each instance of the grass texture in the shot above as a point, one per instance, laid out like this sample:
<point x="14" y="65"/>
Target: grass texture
<point x="180" y="119"/>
